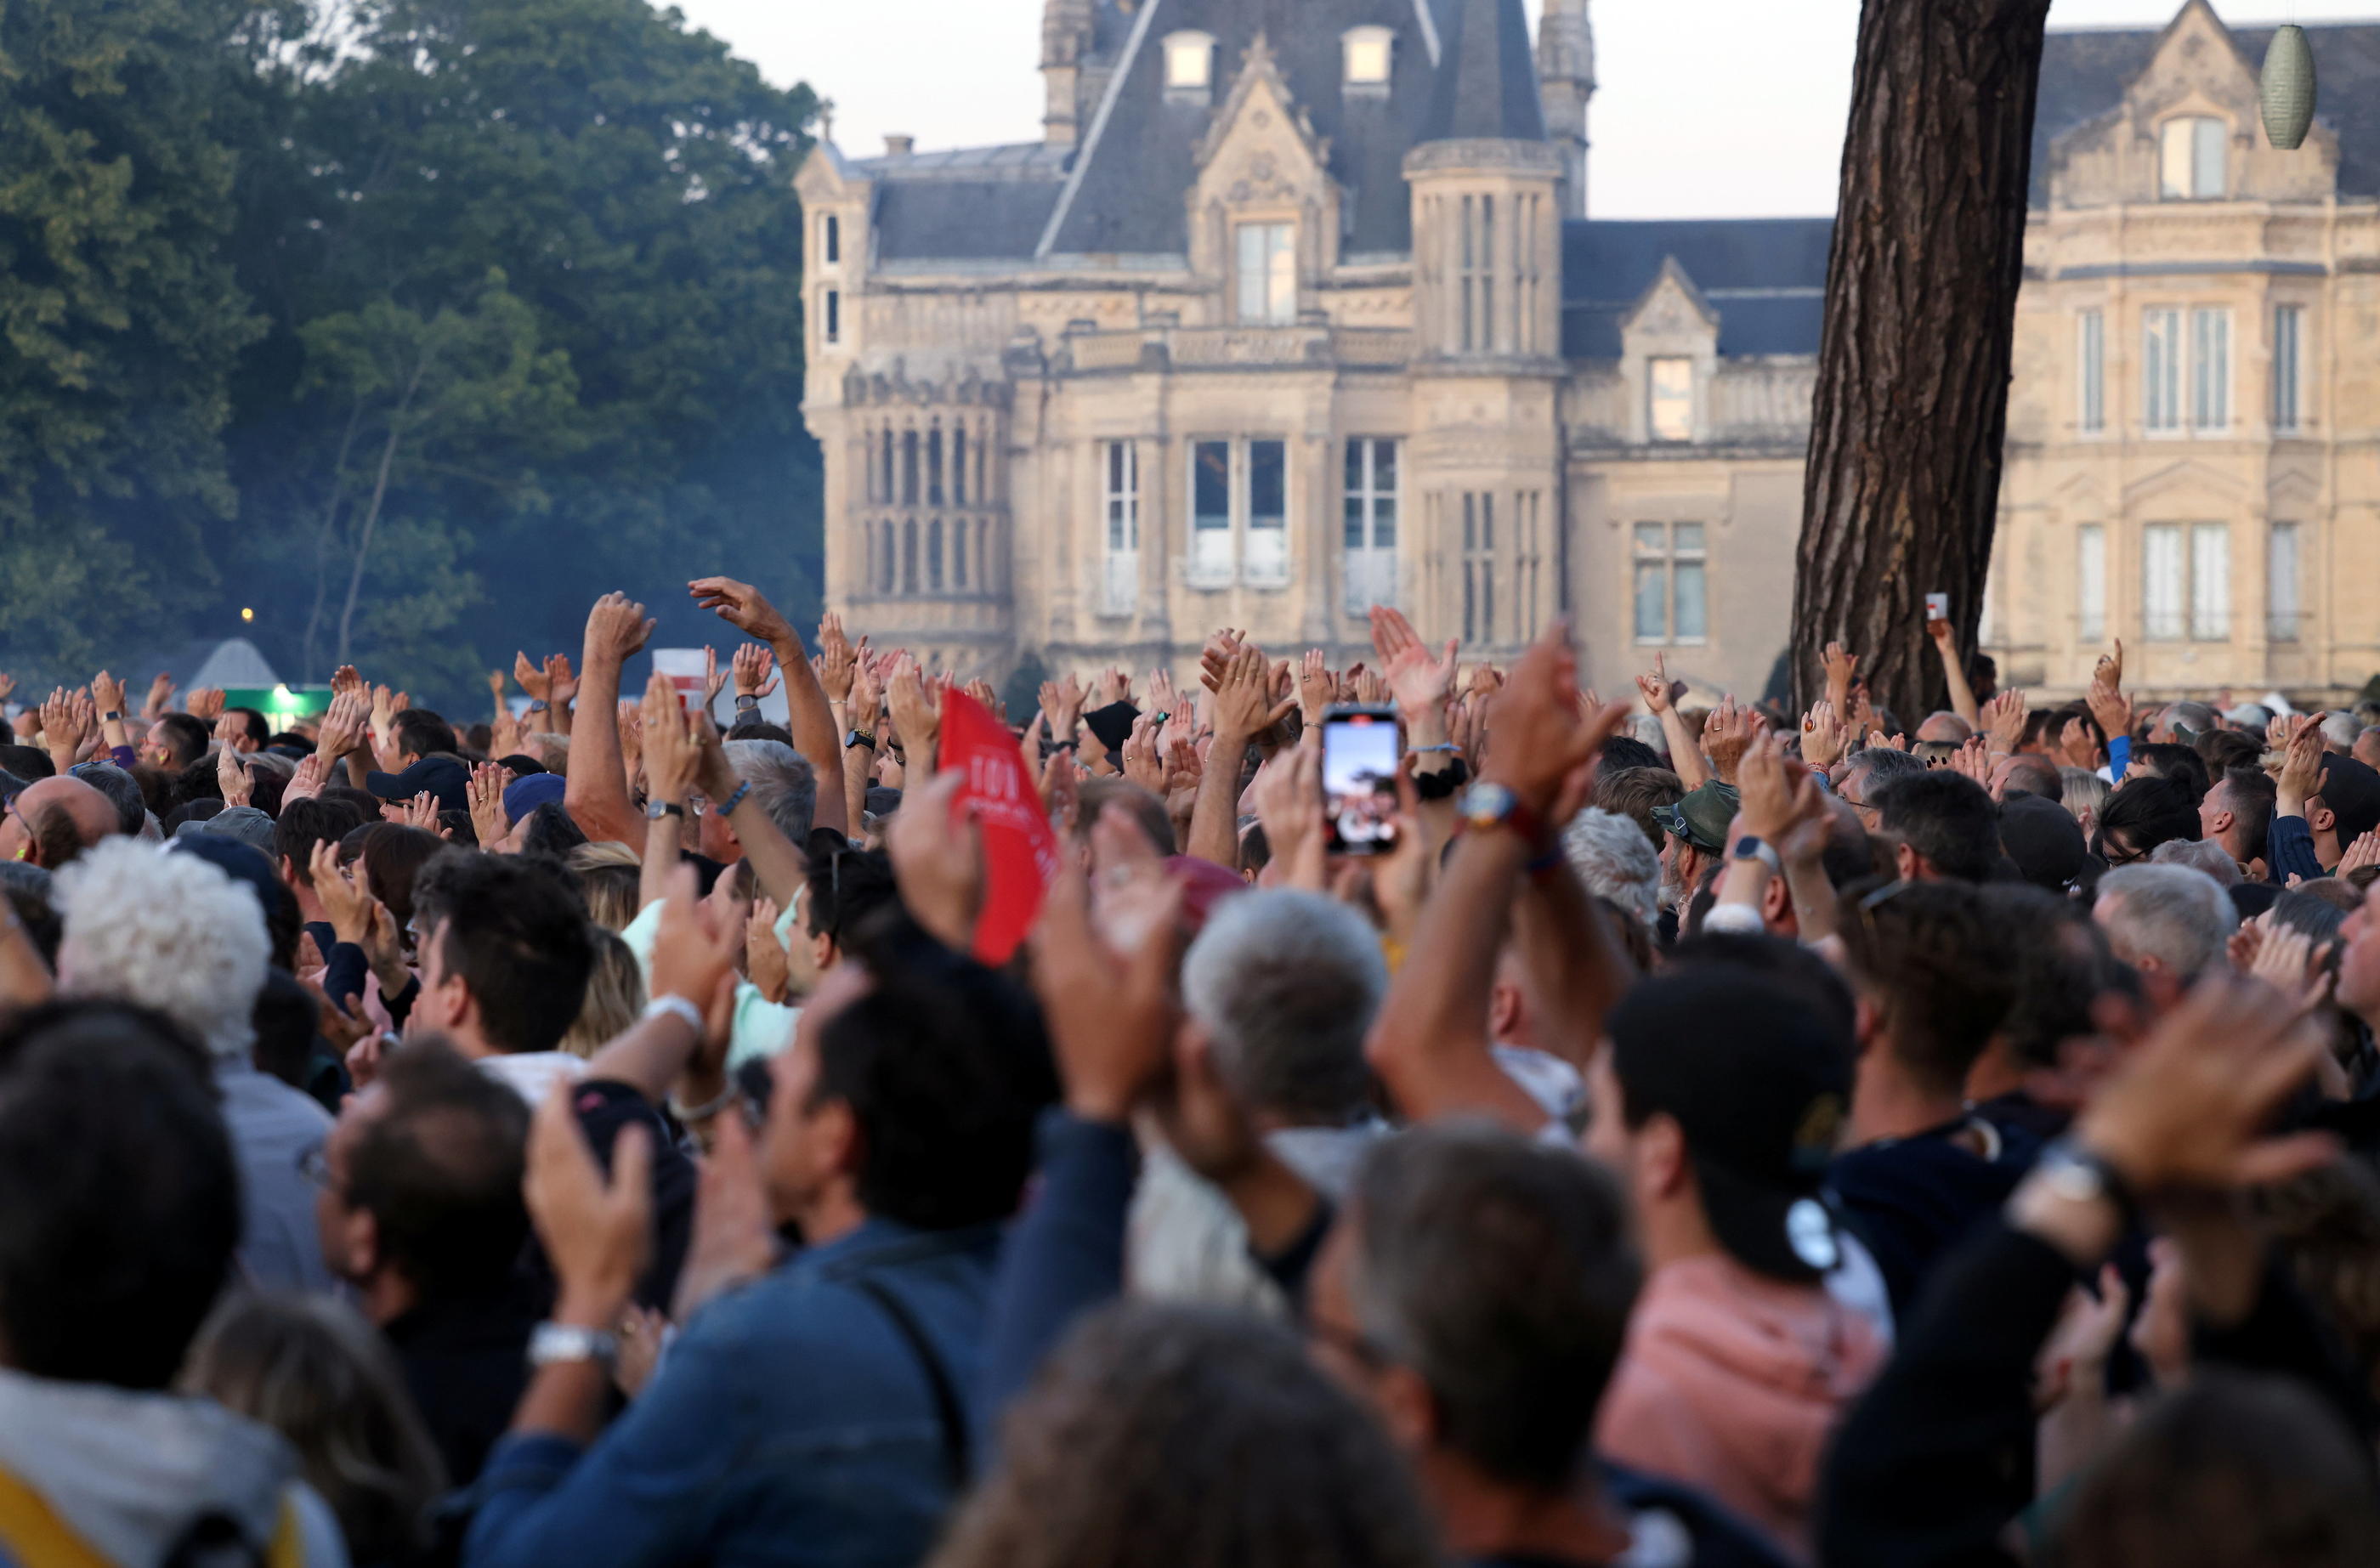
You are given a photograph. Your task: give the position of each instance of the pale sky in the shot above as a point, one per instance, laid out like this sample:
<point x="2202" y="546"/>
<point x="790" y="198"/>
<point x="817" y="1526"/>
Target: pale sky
<point x="1707" y="108"/>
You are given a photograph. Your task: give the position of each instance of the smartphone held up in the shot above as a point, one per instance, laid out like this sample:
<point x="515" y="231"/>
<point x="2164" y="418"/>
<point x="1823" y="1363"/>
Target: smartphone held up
<point x="1362" y="749"/>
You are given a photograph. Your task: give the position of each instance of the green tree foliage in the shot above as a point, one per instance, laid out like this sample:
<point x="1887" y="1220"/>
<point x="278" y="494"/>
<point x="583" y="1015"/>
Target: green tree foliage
<point x="480" y="307"/>
<point x="119" y="309"/>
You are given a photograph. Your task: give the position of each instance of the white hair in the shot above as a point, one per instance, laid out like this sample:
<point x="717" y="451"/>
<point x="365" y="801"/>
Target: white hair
<point x="2177" y="914"/>
<point x="784" y="784"/>
<point x="2340" y="729"/>
<point x="1615" y="860"/>
<point x="1286" y="984"/>
<point x="1648" y="728"/>
<point x="2199" y="855"/>
<point x="166" y="931"/>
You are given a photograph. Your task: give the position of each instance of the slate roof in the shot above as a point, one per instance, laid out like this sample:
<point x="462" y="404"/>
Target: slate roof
<point x="1767" y="278"/>
<point x="1138" y="156"/>
<point x="2084" y="73"/>
<point x="1487" y="80"/>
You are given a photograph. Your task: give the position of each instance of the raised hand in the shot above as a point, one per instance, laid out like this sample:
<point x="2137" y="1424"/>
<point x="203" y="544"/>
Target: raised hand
<point x="1973" y="759"/>
<point x="714" y="680"/>
<point x="745" y="608"/>
<point x="838" y="661"/>
<point x="484" y="792"/>
<point x="937" y="863"/>
<point x="343" y="725"/>
<point x="2293" y="963"/>
<point x="756" y="672"/>
<point x="2365" y="851"/>
<point x="66" y="724"/>
<point x="348" y="901"/>
<point x="914" y="714"/>
<point x="312" y="771"/>
<point x="1654" y="685"/>
<point x="1316" y="685"/>
<point x="160" y="693"/>
<point x="1842" y="669"/>
<point x="2300" y="765"/>
<point x="1111" y="1015"/>
<point x="206" y="702"/>
<point x="107" y="693"/>
<point x="765" y="960"/>
<point x="231" y="774"/>
<point x="617" y="628"/>
<point x="672" y="753"/>
<point x="1727" y="735"/>
<point x="422" y="811"/>
<point x="1245" y="703"/>
<point x="2107" y="698"/>
<point x="1061" y="703"/>
<point x="2187" y="1109"/>
<point x="2004" y="722"/>
<point x="1141" y="763"/>
<point x="1825" y="736"/>
<point x="1289" y="803"/>
<point x="7" y="685"/>
<point x="1114" y="687"/>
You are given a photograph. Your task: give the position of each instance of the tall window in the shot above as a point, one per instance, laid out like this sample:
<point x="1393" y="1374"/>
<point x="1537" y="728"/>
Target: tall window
<point x="2091" y="371"/>
<point x="908" y="467"/>
<point x="2090" y="584"/>
<point x="2210" y="368"/>
<point x="2289" y="338"/>
<point x="1267" y="546"/>
<point x="934" y="491"/>
<point x="829" y="240"/>
<point x="1119" y="501"/>
<point x="1211" y="513"/>
<point x="1671" y="583"/>
<point x="2186" y="582"/>
<point x="1669" y="398"/>
<point x="831" y="315"/>
<point x="1267" y="273"/>
<point x="1371" y="524"/>
<point x="1478" y="566"/>
<point x="958" y="465"/>
<point x="2161" y="368"/>
<point x="2190" y="159"/>
<point x="2281" y="605"/>
<point x="1477" y="297"/>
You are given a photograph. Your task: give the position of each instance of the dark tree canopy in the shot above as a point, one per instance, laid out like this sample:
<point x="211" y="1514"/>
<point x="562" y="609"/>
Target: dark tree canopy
<point x="446" y="315"/>
<point x="1902" y="485"/>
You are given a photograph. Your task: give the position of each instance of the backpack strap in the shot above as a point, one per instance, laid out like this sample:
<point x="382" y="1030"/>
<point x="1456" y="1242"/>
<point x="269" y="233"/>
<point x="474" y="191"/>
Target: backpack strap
<point x="32" y="1533"/>
<point x="947" y="1409"/>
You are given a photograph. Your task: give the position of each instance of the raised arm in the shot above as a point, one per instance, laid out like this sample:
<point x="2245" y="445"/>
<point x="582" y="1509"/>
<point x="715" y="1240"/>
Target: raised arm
<point x="1954" y="672"/>
<point x="1430" y="1045"/>
<point x="1245" y="706"/>
<point x="812" y="718"/>
<point x="1685" y="748"/>
<point x="596" y="792"/>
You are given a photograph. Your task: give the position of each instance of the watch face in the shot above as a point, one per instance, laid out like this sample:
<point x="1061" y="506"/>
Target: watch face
<point x="1487" y="803"/>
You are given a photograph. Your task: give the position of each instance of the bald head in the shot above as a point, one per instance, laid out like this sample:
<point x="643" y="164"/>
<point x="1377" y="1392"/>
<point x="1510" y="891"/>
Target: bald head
<point x="55" y="819"/>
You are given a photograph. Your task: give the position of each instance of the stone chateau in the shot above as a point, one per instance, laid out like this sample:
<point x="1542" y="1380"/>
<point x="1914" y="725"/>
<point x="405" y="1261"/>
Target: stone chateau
<point x="1296" y="308"/>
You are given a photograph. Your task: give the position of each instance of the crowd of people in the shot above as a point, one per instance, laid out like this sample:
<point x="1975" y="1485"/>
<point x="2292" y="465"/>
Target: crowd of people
<point x="1695" y="1135"/>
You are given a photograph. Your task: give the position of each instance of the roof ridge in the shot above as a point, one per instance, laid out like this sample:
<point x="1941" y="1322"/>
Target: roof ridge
<point x="1099" y="129"/>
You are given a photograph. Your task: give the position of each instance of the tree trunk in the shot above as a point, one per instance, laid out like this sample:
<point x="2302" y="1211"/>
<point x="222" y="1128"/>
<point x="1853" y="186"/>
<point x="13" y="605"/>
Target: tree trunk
<point x="380" y="494"/>
<point x="1902" y="485"/>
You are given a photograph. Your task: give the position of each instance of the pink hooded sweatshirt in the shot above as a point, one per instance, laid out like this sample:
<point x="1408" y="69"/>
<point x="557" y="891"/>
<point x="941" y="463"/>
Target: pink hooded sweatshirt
<point x="1732" y="1382"/>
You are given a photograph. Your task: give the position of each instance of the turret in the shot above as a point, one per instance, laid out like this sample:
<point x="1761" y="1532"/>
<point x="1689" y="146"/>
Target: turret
<point x="1566" y="83"/>
<point x="1065" y="41"/>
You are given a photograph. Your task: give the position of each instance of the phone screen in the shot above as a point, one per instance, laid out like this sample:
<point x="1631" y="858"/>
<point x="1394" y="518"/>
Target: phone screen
<point x="1361" y="753"/>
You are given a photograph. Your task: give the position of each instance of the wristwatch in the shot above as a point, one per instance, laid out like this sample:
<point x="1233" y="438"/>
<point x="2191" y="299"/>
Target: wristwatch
<point x="858" y="737"/>
<point x="1751" y="849"/>
<point x="656" y="809"/>
<point x="553" y="1344"/>
<point x="1487" y="806"/>
<point x="2078" y="1175"/>
<point x="538" y="706"/>
<point x="745" y="702"/>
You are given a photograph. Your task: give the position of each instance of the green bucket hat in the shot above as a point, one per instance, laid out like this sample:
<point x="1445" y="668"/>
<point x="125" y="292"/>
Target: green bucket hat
<point x="1701" y="816"/>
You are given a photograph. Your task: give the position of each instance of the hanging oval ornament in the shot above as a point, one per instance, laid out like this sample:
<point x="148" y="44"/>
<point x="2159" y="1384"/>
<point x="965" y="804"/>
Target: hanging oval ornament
<point x="2288" y="87"/>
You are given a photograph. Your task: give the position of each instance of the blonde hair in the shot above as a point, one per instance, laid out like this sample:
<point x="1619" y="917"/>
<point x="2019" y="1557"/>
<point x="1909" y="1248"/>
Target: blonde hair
<point x="314" y="1370"/>
<point x="615" y="997"/>
<point x="610" y="880"/>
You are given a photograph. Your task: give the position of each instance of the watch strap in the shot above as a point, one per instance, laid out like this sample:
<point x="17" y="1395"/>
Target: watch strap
<point x="745" y="702"/>
<point x="553" y="1344"/>
<point x="2067" y="1153"/>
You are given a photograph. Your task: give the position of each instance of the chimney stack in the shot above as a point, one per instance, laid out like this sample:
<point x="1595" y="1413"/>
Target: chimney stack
<point x="899" y="146"/>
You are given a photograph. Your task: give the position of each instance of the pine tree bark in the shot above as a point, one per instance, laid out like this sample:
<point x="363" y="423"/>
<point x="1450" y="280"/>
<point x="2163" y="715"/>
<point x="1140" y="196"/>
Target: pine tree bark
<point x="1902" y="488"/>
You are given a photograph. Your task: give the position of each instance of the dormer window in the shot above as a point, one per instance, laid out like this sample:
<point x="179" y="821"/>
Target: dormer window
<point x="1189" y="65"/>
<point x="1369" y="53"/>
<point x="2190" y="158"/>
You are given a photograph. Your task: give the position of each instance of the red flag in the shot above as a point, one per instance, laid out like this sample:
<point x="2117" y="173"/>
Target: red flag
<point x="1020" y="852"/>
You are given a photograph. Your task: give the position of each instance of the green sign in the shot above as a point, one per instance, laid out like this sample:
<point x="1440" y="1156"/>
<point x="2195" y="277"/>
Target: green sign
<point x="281" y="705"/>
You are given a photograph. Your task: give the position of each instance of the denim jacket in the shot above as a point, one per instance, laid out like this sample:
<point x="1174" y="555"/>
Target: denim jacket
<point x="791" y="1423"/>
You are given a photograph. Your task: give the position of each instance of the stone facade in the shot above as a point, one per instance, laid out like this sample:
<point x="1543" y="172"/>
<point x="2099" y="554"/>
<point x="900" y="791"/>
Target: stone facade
<point x="1296" y="309"/>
